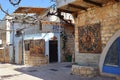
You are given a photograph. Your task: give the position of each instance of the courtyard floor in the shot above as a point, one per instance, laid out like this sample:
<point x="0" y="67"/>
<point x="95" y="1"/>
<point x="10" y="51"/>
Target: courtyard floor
<point x="54" y="71"/>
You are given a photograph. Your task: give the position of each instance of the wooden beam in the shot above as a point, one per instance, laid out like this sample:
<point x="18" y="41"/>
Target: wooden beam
<point x="64" y="10"/>
<point x="77" y="7"/>
<point x="93" y="2"/>
<point x="117" y="0"/>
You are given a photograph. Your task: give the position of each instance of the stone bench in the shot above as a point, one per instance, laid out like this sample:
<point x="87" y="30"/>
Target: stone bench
<point x="85" y="70"/>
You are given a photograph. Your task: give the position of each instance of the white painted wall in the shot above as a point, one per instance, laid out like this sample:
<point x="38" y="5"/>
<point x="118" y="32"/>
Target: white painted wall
<point x="32" y="33"/>
<point x="15" y="42"/>
<point x="46" y="37"/>
<point x="8" y="32"/>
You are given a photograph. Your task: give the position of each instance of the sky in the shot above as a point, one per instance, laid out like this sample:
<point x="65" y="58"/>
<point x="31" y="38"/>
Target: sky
<point x="26" y="3"/>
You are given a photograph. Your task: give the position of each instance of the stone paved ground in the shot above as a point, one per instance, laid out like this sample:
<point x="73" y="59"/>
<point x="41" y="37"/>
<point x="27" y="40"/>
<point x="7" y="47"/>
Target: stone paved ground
<point x="55" y="71"/>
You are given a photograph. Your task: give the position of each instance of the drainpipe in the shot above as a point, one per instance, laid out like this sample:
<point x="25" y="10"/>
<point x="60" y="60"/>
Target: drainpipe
<point x="13" y="59"/>
<point x="4" y="52"/>
<point x="22" y="47"/>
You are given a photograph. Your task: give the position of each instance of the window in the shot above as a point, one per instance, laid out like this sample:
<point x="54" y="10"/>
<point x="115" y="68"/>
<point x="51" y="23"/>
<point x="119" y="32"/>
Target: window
<point x="112" y="54"/>
<point x="18" y="33"/>
<point x="27" y="46"/>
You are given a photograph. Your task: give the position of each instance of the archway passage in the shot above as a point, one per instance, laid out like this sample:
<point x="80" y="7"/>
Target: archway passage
<point x="53" y="51"/>
<point x="112" y="59"/>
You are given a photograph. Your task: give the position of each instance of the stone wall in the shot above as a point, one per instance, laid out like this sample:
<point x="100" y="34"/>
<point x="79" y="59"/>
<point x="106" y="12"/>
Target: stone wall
<point x="34" y="60"/>
<point x="35" y="52"/>
<point x="4" y="55"/>
<point x="85" y="71"/>
<point x="109" y="18"/>
<point x="69" y="44"/>
<point x="31" y="60"/>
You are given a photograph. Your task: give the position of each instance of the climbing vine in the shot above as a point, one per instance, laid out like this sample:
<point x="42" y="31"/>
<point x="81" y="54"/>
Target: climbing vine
<point x="64" y="39"/>
<point x="67" y="52"/>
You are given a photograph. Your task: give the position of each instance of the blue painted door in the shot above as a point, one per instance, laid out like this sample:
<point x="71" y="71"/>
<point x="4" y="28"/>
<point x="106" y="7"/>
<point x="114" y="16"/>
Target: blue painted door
<point x="112" y="61"/>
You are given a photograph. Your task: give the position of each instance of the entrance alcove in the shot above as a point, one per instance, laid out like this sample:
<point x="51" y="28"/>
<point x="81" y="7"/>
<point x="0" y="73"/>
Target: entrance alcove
<point x="110" y="57"/>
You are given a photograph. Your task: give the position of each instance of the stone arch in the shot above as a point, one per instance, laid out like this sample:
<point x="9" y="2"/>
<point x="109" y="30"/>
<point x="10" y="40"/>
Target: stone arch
<point x="105" y="50"/>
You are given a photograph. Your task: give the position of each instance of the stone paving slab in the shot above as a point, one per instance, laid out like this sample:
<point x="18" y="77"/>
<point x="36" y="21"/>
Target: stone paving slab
<point x="54" y="71"/>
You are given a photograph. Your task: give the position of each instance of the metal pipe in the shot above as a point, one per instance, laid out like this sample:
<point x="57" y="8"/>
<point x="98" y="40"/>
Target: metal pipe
<point x="13" y="60"/>
<point x="22" y="47"/>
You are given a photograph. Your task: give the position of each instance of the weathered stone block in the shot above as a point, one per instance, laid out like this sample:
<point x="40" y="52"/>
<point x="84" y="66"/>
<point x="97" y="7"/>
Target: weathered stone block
<point x="89" y="72"/>
<point x="85" y="71"/>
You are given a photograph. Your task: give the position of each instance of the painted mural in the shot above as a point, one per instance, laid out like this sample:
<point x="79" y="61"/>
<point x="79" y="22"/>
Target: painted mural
<point x="36" y="47"/>
<point x="89" y="39"/>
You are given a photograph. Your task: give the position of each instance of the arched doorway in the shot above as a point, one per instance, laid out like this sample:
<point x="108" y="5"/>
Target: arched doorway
<point x="110" y="57"/>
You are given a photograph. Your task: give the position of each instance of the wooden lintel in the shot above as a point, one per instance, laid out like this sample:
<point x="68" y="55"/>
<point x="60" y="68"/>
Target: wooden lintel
<point x="93" y="2"/>
<point x="75" y="15"/>
<point x="64" y="10"/>
<point x="77" y="7"/>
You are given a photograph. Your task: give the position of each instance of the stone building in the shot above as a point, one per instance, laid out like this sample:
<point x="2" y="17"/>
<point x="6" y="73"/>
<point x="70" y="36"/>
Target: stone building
<point x="4" y="41"/>
<point x="97" y="34"/>
<point x="37" y="38"/>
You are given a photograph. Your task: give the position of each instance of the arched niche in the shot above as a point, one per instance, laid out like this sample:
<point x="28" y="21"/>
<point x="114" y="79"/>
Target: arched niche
<point x="111" y="50"/>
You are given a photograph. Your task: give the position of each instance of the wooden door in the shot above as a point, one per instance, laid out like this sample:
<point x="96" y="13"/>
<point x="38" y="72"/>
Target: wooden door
<point x="53" y="51"/>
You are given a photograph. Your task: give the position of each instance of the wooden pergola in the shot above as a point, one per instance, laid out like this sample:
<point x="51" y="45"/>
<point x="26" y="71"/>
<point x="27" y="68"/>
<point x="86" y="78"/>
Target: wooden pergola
<point x="84" y="5"/>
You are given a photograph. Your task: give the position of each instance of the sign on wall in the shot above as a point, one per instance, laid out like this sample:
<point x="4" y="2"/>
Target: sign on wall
<point x="89" y="39"/>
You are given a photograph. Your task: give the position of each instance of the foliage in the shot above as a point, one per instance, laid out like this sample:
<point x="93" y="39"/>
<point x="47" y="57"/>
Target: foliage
<point x="64" y="39"/>
<point x="66" y="52"/>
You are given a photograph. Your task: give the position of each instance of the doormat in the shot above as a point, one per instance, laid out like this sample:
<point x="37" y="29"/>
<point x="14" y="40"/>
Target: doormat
<point x="53" y="69"/>
<point x="68" y="66"/>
